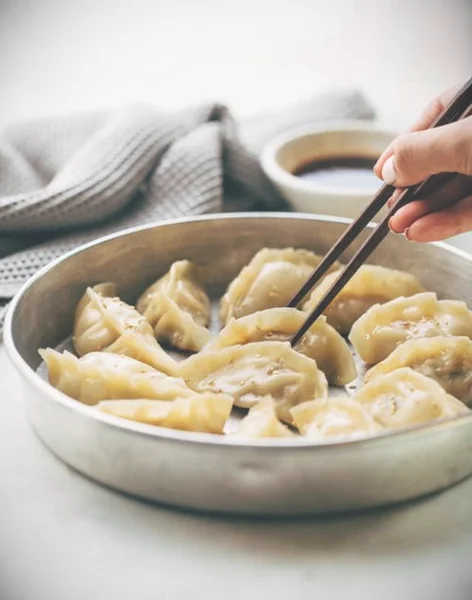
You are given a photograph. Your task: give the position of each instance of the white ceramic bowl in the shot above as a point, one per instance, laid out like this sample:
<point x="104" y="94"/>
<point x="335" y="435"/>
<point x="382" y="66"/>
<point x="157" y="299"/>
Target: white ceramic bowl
<point x="288" y="152"/>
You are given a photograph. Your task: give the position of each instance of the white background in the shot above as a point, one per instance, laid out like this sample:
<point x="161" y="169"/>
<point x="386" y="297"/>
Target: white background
<point x="61" y="56"/>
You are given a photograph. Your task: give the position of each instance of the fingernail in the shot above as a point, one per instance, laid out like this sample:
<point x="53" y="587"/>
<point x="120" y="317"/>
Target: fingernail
<point x="390" y="226"/>
<point x="407" y="234"/>
<point x="389" y="174"/>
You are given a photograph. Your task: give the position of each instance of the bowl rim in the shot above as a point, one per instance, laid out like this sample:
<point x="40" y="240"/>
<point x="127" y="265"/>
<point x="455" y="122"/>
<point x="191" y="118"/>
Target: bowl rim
<point x="279" y="175"/>
<point x="129" y="427"/>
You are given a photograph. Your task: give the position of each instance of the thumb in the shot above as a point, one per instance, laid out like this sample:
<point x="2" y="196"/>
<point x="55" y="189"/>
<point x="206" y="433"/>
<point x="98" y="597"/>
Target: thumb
<point x="417" y="155"/>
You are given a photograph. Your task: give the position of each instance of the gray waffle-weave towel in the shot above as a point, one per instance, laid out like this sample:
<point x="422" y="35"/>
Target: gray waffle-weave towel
<point x="69" y="180"/>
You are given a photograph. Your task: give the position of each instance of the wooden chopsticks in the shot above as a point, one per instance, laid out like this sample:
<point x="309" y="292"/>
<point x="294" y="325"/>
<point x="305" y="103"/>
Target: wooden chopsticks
<point x="459" y="108"/>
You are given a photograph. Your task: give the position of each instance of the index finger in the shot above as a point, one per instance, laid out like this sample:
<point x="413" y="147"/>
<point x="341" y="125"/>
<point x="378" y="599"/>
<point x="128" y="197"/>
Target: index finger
<point x="424" y="121"/>
<point x="434" y="109"/>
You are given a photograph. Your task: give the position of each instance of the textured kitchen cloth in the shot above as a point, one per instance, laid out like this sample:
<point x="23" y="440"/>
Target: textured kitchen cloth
<point x="66" y="181"/>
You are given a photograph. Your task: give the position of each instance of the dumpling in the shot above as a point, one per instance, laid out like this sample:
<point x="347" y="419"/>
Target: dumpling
<point x="178" y="308"/>
<point x="250" y="372"/>
<point x="370" y="285"/>
<point x="321" y="342"/>
<point x="333" y="418"/>
<point x="271" y="279"/>
<point x="104" y="376"/>
<point x="404" y="397"/>
<point x="205" y="413"/>
<point x="262" y="422"/>
<point x="447" y="360"/>
<point x="377" y="333"/>
<point x="182" y="284"/>
<point x="174" y="325"/>
<point x="104" y="322"/>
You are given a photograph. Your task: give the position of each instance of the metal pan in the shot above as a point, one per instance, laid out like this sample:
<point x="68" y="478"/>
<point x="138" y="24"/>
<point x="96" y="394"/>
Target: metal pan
<point x="207" y="472"/>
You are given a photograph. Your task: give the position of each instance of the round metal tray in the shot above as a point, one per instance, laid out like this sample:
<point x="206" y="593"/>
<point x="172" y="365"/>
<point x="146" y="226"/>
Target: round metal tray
<point x="216" y="473"/>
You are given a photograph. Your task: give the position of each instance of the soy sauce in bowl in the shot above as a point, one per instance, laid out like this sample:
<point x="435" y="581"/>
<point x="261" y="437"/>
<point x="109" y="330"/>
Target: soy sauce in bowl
<point x="349" y="172"/>
<point x="326" y="168"/>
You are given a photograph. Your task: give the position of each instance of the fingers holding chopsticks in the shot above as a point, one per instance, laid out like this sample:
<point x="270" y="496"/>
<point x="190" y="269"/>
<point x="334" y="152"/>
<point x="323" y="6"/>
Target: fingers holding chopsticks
<point x="424" y="121"/>
<point x="436" y="150"/>
<point x="442" y="224"/>
<point x="443" y="214"/>
<point x="458" y="109"/>
<point x="420" y="154"/>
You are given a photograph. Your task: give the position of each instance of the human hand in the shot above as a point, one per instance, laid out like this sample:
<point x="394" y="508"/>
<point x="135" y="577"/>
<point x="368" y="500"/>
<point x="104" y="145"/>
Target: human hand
<point x="421" y="152"/>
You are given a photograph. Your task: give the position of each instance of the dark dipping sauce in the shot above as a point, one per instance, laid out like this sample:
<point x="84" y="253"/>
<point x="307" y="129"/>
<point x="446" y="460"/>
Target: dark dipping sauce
<point x="350" y="172"/>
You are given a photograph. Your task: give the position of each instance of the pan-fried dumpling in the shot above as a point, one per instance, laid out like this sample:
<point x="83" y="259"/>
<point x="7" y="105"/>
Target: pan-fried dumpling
<point x="205" y="413"/>
<point x="271" y="279"/>
<point x="404" y="397"/>
<point x="104" y="376"/>
<point x="370" y="285"/>
<point x="377" y="333"/>
<point x="447" y="360"/>
<point x="178" y="308"/>
<point x="104" y="322"/>
<point x="262" y="422"/>
<point x="334" y="418"/>
<point x="321" y="342"/>
<point x="250" y="372"/>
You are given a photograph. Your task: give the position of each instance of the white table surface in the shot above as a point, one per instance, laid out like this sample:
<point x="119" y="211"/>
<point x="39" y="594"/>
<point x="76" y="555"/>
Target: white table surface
<point x="63" y="537"/>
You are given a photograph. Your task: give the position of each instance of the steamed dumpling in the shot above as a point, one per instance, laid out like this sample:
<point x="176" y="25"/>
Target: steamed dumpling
<point x="182" y="284"/>
<point x="321" y="342"/>
<point x="250" y="372"/>
<point x="200" y="412"/>
<point x="333" y="418"/>
<point x="175" y="326"/>
<point x="271" y="279"/>
<point x="404" y="397"/>
<point x="370" y="285"/>
<point x="104" y="376"/>
<point x="262" y="422"/>
<point x="447" y="360"/>
<point x="104" y="322"/>
<point x="377" y="333"/>
<point x="178" y="308"/>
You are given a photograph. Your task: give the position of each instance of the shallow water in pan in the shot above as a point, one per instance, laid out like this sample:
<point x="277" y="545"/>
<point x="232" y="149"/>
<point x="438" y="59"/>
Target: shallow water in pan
<point x="237" y="413"/>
